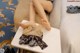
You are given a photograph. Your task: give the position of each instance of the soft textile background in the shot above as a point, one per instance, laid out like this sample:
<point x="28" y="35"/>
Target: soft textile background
<point x="69" y="26"/>
<point x="7" y="9"/>
<point x="70" y="29"/>
<point x="55" y="16"/>
<point x="6" y="23"/>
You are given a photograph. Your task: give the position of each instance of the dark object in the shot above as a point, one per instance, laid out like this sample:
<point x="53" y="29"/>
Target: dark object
<point x="73" y="9"/>
<point x="12" y="50"/>
<point x="52" y="1"/>
<point x="32" y="41"/>
<point x="28" y="40"/>
<point x="8" y="49"/>
<point x="40" y="42"/>
<point x="5" y="47"/>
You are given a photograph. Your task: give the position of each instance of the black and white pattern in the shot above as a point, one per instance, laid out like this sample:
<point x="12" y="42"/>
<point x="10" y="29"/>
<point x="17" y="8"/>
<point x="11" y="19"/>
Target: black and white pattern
<point x="73" y="9"/>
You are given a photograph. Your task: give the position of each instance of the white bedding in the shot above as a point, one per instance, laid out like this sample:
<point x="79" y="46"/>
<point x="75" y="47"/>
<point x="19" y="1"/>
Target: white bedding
<point x="70" y="26"/>
<point x="70" y="29"/>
